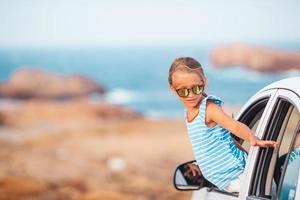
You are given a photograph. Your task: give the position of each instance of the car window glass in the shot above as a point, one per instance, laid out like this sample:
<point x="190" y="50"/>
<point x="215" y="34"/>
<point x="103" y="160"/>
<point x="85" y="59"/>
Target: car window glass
<point x="289" y="176"/>
<point x="287" y="140"/>
<point x="254" y="121"/>
<point x="289" y="131"/>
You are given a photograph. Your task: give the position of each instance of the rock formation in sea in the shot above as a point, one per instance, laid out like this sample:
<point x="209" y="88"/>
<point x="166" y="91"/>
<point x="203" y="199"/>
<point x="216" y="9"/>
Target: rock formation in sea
<point x="35" y="97"/>
<point x="27" y="83"/>
<point x="257" y="58"/>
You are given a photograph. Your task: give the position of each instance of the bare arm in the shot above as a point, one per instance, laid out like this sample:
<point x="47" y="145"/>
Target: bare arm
<point x="215" y="113"/>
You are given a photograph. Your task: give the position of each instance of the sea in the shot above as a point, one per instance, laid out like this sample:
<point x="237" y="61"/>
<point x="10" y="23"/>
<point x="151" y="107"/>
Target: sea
<point x="137" y="77"/>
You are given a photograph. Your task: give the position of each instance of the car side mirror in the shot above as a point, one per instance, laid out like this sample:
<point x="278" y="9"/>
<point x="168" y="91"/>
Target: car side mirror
<point x="184" y="179"/>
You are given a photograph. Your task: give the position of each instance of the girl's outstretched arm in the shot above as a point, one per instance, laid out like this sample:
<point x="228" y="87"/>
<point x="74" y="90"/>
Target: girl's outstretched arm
<point x="216" y="113"/>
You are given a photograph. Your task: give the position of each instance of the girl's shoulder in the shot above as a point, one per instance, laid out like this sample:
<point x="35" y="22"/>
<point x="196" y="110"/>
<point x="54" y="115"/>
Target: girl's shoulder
<point x="203" y="106"/>
<point x="214" y="99"/>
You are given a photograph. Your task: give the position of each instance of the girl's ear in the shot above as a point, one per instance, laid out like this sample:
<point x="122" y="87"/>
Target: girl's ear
<point x="172" y="89"/>
<point x="205" y="81"/>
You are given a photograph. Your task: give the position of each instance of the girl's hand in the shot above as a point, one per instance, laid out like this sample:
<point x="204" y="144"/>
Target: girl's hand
<point x="194" y="169"/>
<point x="255" y="141"/>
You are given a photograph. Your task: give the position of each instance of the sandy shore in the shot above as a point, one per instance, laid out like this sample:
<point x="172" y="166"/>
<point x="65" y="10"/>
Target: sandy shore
<point x="81" y="156"/>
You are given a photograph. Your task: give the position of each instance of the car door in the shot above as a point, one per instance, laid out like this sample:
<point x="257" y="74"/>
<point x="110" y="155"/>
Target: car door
<point x="251" y="114"/>
<point x="271" y="176"/>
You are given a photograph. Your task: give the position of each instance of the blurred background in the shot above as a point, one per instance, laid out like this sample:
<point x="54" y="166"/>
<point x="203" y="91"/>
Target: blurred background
<point x="85" y="108"/>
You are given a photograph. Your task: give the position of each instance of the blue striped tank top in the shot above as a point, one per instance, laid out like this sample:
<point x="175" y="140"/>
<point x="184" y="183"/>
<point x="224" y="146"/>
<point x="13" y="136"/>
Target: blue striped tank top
<point x="217" y="156"/>
<point x="294" y="154"/>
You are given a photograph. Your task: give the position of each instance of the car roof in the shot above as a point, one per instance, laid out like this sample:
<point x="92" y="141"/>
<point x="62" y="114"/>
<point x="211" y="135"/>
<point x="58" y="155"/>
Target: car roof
<point x="292" y="83"/>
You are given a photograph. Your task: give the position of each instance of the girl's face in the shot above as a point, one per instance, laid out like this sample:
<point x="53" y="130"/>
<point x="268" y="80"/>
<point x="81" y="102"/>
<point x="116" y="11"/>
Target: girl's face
<point x="187" y="80"/>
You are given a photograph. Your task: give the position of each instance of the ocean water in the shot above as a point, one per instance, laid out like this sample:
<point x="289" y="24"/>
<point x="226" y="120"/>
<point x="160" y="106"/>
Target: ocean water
<point x="137" y="76"/>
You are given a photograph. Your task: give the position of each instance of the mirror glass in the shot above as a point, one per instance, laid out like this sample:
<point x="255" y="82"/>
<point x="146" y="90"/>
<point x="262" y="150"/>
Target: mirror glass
<point x="188" y="176"/>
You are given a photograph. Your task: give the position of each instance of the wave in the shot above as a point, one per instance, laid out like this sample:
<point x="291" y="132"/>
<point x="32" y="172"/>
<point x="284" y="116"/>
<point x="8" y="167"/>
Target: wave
<point x="120" y="96"/>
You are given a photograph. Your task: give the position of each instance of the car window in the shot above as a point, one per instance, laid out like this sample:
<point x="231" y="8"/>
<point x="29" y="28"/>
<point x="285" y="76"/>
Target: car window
<point x="282" y="127"/>
<point x="290" y="170"/>
<point x="286" y="138"/>
<point x="251" y="117"/>
<point x="289" y="184"/>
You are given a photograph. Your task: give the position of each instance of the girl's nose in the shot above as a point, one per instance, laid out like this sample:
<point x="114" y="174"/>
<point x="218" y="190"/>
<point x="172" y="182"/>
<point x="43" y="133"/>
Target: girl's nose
<point x="191" y="94"/>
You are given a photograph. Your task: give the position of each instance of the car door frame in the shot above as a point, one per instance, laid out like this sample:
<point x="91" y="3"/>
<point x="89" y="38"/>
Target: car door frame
<point x="294" y="99"/>
<point x="253" y="152"/>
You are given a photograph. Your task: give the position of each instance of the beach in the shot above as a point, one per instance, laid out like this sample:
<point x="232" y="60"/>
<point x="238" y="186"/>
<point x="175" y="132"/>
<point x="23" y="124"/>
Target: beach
<point x="80" y="155"/>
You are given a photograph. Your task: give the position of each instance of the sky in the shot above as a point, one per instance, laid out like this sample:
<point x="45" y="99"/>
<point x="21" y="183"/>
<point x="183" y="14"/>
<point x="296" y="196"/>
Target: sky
<point x="112" y="23"/>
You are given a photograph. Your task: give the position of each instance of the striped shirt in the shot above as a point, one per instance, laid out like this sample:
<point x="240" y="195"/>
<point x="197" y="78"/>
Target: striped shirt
<point x="294" y="154"/>
<point x="217" y="156"/>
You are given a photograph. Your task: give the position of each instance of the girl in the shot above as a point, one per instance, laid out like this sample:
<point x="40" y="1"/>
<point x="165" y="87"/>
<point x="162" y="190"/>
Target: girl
<point x="220" y="158"/>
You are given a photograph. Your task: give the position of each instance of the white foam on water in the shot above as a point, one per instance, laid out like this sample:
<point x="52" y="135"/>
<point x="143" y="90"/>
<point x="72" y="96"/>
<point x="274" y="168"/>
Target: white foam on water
<point x="123" y="96"/>
<point x="119" y="96"/>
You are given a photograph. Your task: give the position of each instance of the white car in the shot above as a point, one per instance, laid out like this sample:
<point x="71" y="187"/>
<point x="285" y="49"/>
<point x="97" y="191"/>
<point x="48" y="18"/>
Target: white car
<point x="273" y="113"/>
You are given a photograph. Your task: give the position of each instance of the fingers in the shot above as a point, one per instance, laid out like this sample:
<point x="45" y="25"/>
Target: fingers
<point x="271" y="143"/>
<point x="275" y="144"/>
<point x="264" y="143"/>
<point x="193" y="168"/>
<point x="195" y="171"/>
<point x="267" y="143"/>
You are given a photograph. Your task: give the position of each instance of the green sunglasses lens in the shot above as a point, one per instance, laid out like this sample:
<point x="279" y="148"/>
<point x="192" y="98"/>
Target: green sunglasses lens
<point x="183" y="92"/>
<point x="197" y="89"/>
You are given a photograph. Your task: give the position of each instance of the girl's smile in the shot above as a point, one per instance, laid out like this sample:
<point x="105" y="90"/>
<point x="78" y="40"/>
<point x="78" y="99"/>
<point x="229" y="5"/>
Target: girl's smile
<point x="191" y="101"/>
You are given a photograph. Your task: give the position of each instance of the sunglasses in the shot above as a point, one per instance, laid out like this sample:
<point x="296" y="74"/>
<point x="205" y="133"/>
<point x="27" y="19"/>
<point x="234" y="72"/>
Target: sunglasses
<point x="184" y="92"/>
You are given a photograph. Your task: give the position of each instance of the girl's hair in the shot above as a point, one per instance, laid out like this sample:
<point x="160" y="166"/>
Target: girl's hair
<point x="185" y="64"/>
